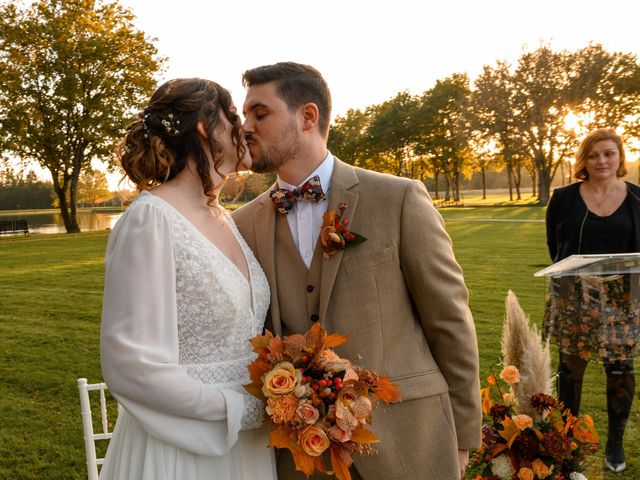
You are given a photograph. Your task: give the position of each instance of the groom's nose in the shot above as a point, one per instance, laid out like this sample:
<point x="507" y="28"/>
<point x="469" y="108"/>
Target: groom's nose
<point x="247" y="126"/>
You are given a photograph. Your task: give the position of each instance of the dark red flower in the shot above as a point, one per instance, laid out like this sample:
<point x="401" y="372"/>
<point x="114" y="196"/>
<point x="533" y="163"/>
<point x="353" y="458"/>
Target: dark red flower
<point x="524" y="448"/>
<point x="543" y="402"/>
<point x="557" y="446"/>
<point x="499" y="412"/>
<point x="489" y="436"/>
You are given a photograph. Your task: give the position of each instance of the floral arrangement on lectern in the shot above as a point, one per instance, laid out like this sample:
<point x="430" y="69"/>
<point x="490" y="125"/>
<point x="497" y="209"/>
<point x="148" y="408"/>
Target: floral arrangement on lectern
<point x="527" y="433"/>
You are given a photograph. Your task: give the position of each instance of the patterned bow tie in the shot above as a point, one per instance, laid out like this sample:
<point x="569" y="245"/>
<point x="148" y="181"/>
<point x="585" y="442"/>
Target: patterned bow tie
<point x="284" y="199"/>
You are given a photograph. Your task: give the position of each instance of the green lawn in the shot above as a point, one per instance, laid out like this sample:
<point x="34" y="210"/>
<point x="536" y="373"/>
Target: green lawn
<point x="49" y="325"/>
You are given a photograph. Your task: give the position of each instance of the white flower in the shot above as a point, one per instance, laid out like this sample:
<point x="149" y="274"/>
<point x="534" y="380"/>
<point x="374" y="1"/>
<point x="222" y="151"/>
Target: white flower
<point x="302" y="391"/>
<point x="501" y="467"/>
<point x="577" y="476"/>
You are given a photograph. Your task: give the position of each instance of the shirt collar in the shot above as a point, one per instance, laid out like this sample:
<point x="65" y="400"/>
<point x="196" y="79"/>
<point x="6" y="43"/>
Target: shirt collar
<point x="324" y="171"/>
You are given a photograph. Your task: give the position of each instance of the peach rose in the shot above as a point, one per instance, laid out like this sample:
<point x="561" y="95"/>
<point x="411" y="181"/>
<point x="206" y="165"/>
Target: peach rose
<point x="525" y="474"/>
<point x="307" y="413"/>
<point x="522" y="421"/>
<point x="314" y="440"/>
<point x="339" y="435"/>
<point x="282" y="409"/>
<point x="509" y="399"/>
<point x="510" y="374"/>
<point x="540" y="469"/>
<point x="281" y="380"/>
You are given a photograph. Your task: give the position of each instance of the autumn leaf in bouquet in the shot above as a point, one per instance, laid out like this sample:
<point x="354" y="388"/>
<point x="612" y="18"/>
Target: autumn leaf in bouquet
<point x="527" y="433"/>
<point x="319" y="403"/>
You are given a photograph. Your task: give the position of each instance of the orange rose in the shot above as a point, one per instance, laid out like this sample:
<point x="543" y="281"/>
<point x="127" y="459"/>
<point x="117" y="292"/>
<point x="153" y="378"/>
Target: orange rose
<point x="307" y="413"/>
<point x="281" y="380"/>
<point x="314" y="440"/>
<point x="510" y="374"/>
<point x="282" y="409"/>
<point x="540" y="469"/>
<point x="525" y="474"/>
<point x="339" y="435"/>
<point x="522" y="421"/>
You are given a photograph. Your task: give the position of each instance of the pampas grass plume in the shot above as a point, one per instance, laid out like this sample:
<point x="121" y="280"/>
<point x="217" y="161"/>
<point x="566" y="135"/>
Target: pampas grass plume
<point x="523" y="348"/>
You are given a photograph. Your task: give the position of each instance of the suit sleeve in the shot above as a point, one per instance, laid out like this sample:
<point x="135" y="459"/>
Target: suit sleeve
<point x="437" y="288"/>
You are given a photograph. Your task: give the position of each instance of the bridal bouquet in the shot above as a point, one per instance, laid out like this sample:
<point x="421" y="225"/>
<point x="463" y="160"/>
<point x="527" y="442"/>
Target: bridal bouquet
<point x="527" y="433"/>
<point x="319" y="403"/>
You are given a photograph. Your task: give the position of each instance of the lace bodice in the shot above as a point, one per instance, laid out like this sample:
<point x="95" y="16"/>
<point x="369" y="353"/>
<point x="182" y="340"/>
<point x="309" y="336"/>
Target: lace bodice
<point x="218" y="311"/>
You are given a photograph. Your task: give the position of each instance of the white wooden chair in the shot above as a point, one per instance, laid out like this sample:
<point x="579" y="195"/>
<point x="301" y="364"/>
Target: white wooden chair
<point x="87" y="424"/>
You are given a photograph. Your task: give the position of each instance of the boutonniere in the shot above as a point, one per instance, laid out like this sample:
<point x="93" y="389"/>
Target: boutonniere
<point x="335" y="234"/>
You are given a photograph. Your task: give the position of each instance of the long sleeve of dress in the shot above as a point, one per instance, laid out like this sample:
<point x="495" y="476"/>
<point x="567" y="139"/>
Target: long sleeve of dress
<point x="139" y="343"/>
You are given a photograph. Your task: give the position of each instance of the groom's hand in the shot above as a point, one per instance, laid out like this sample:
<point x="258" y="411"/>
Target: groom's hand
<point x="463" y="460"/>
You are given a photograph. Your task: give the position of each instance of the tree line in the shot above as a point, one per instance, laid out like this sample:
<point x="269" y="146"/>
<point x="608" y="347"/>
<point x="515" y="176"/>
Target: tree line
<point x="20" y="190"/>
<point x="23" y="191"/>
<point x="527" y="118"/>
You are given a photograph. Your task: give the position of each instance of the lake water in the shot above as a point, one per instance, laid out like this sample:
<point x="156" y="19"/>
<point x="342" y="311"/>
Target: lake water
<point x="52" y="222"/>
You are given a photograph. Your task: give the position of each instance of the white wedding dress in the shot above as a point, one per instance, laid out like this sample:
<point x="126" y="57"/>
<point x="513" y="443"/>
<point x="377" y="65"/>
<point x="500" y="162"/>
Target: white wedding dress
<point x="177" y="317"/>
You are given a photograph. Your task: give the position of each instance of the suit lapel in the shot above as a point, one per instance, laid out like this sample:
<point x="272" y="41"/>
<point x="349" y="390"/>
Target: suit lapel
<point x="265" y="232"/>
<point x="343" y="179"/>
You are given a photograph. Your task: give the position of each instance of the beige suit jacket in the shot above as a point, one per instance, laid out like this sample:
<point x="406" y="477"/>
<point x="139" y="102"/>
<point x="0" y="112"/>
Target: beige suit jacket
<point x="402" y="298"/>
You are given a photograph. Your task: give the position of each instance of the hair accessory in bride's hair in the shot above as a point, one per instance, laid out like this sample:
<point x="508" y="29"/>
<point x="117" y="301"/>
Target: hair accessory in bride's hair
<point x="171" y="125"/>
<point x="144" y="119"/>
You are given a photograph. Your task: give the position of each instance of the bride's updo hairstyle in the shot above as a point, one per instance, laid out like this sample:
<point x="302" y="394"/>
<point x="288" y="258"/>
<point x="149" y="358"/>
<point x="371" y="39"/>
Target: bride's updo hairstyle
<point x="158" y="144"/>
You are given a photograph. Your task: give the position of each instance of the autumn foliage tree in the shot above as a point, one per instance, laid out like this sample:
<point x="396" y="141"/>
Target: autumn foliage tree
<point x="444" y="130"/>
<point x="73" y="72"/>
<point x="348" y="136"/>
<point x="93" y="187"/>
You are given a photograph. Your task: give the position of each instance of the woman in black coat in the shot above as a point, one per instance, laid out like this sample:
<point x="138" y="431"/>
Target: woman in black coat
<point x="600" y="214"/>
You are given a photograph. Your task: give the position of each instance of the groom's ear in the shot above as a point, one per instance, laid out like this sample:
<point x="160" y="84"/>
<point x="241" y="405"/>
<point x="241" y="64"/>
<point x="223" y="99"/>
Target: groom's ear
<point x="202" y="133"/>
<point x="310" y="115"/>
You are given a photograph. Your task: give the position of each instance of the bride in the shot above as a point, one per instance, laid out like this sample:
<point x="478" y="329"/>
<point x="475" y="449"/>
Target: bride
<point x="183" y="295"/>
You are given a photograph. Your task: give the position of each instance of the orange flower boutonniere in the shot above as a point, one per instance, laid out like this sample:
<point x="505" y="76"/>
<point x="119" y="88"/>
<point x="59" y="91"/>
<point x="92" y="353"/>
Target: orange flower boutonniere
<point x="335" y="234"/>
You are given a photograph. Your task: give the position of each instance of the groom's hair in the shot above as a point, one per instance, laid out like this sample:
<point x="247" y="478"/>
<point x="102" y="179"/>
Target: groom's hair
<point x="296" y="84"/>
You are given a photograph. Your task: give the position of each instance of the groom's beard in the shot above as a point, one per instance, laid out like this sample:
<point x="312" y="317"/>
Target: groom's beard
<point x="265" y="164"/>
<point x="272" y="158"/>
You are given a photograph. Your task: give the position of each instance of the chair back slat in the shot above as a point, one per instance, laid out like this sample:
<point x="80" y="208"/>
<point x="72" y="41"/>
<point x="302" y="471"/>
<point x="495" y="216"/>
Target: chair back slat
<point x="87" y="424"/>
<point x="103" y="411"/>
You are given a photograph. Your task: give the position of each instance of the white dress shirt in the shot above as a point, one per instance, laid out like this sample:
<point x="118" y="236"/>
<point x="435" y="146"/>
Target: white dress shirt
<point x="305" y="219"/>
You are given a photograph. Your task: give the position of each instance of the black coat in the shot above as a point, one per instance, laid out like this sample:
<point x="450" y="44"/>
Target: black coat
<point x="566" y="215"/>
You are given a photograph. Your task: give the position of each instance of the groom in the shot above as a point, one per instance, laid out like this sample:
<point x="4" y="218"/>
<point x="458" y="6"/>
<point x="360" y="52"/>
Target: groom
<point x="400" y="295"/>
